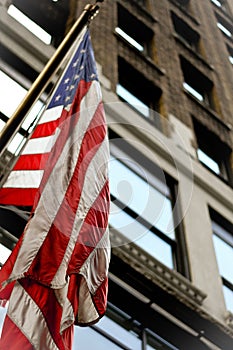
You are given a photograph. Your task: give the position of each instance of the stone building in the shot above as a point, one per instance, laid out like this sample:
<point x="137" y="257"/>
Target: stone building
<point x="166" y="73"/>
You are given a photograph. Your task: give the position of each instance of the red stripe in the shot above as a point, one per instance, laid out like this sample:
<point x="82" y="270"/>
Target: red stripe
<point x="31" y="162"/>
<point x="12" y="338"/>
<point x="45" y="129"/>
<point x="58" y="236"/>
<point x="46" y="301"/>
<point x="92" y="230"/>
<point x="71" y="119"/>
<point x="18" y="196"/>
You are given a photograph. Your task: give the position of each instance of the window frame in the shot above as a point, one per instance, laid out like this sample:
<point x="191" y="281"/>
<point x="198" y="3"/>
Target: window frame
<point x="140" y="33"/>
<point x="177" y="244"/>
<point x="226" y="235"/>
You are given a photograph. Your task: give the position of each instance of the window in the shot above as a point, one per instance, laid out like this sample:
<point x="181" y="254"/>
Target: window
<point x="134" y="31"/>
<point x="115" y="331"/>
<point x="50" y="17"/>
<point x="182" y="2"/>
<point x="15" y="79"/>
<point x="224" y="26"/>
<point x="142" y="206"/>
<point x="221" y="4"/>
<point x="212" y="152"/>
<point x="230" y="50"/>
<point x="217" y="3"/>
<point x="185" y="32"/>
<point x="223" y="244"/>
<point x="146" y="101"/>
<point x="197" y="84"/>
<point x="9" y="88"/>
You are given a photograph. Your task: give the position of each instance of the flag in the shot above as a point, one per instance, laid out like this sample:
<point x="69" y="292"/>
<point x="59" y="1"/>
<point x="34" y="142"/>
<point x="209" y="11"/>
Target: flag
<point x="56" y="275"/>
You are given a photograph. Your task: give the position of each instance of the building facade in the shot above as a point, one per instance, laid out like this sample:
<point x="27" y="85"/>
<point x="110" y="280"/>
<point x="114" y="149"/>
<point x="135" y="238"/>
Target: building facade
<point x="166" y="73"/>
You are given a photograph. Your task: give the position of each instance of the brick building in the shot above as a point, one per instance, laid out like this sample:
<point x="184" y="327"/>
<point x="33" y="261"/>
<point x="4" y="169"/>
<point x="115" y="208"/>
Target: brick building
<point x="166" y="74"/>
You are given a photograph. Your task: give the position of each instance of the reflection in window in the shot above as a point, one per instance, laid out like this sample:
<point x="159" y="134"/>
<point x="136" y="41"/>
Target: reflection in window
<point x="209" y="162"/>
<point x="224" y="26"/>
<point x="118" y="330"/>
<point x="141" y="212"/>
<point x="223" y="244"/>
<point x="197" y="84"/>
<point x="212" y="152"/>
<point x="4" y="254"/>
<point x="230" y="51"/>
<point x="29" y="24"/>
<point x="9" y="88"/>
<point x="129" y="39"/>
<point x="146" y="101"/>
<point x="224" y="29"/>
<point x="132" y="100"/>
<point x="134" y="31"/>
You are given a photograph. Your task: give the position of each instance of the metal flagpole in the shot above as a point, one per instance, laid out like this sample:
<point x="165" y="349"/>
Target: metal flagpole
<point x="14" y="123"/>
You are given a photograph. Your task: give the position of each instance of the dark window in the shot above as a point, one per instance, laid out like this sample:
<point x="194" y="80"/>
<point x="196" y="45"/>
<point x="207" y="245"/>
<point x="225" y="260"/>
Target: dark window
<point x="183" y="2"/>
<point x="134" y="31"/>
<point x="222" y="4"/>
<point x="224" y="26"/>
<point x="230" y="50"/>
<point x="223" y="244"/>
<point x="142" y="207"/>
<point x="50" y="15"/>
<point x="185" y="32"/>
<point x="197" y="84"/>
<point x="212" y="152"/>
<point x="16" y="76"/>
<point x="140" y="93"/>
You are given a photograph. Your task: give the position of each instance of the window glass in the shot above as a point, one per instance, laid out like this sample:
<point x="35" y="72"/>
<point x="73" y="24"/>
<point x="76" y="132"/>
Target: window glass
<point x="223" y="244"/>
<point x="217" y="3"/>
<point x="140" y="235"/>
<point x="99" y="342"/>
<point x="129" y="39"/>
<point x="12" y="94"/>
<point x="4" y="253"/>
<point x="224" y="253"/>
<point x="224" y="29"/>
<point x="134" y="31"/>
<point x="141" y="197"/>
<point x="132" y="100"/>
<point x="29" y="24"/>
<point x="228" y="294"/>
<point x="209" y="162"/>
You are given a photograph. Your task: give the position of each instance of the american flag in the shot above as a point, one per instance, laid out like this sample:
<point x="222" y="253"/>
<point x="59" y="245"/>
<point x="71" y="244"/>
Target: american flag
<point x="56" y="275"/>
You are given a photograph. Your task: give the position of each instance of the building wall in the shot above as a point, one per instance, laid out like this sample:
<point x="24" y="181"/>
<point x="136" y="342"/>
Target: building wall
<point x="173" y="145"/>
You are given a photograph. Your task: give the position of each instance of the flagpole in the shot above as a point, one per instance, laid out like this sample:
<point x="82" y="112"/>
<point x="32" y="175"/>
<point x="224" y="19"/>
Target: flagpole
<point x="14" y="123"/>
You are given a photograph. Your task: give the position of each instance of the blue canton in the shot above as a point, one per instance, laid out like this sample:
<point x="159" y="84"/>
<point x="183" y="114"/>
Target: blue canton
<point x="81" y="67"/>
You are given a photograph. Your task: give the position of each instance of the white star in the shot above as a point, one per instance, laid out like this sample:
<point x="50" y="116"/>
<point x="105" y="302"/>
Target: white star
<point x="75" y="63"/>
<point x="82" y="51"/>
<point x="67" y="81"/>
<point x="93" y="75"/>
<point x="81" y="67"/>
<point x="67" y="98"/>
<point x="72" y="87"/>
<point x="57" y="98"/>
<point x="76" y="76"/>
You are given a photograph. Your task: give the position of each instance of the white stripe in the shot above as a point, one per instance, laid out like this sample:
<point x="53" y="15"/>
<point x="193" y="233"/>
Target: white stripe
<point x="93" y="184"/>
<point x="41" y="145"/>
<point x="100" y="257"/>
<point x="27" y="316"/>
<point x="51" y="114"/>
<point x="68" y="317"/>
<point x="52" y="196"/>
<point x="24" y="179"/>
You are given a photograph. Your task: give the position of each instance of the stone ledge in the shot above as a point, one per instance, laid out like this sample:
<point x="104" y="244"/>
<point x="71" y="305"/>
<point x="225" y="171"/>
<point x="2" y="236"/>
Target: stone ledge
<point x="169" y="280"/>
